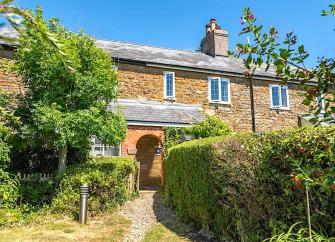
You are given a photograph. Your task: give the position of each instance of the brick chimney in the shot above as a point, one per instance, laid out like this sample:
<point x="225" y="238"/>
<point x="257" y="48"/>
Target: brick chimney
<point x="215" y="42"/>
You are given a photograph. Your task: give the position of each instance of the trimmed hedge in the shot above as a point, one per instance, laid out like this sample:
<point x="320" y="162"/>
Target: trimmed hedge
<point x="108" y="180"/>
<point x="32" y="201"/>
<point x="241" y="186"/>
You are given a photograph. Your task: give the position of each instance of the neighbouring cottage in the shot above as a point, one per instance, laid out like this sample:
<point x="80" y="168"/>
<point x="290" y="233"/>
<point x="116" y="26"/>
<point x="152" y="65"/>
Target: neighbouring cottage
<point x="161" y="87"/>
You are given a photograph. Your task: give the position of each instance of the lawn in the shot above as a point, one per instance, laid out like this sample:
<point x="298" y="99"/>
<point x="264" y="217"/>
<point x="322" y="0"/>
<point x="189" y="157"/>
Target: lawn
<point x="159" y="232"/>
<point x="109" y="227"/>
<point x="172" y="230"/>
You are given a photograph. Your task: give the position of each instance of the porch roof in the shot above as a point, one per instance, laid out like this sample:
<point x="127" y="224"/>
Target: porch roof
<point x="155" y="113"/>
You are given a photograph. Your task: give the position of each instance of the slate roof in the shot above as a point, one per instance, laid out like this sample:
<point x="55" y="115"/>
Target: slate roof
<point x="173" y="57"/>
<point x="9" y="33"/>
<point x="164" y="56"/>
<point x="154" y="112"/>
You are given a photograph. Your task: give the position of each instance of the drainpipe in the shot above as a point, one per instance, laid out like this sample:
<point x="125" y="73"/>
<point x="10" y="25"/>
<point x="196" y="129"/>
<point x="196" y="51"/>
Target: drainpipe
<point x="252" y="105"/>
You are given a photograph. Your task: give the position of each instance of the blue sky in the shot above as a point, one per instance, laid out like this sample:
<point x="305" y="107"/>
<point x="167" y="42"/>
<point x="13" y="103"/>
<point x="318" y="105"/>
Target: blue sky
<point x="180" y="23"/>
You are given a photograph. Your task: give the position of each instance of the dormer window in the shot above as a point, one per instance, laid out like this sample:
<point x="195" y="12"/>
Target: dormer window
<point x="279" y="97"/>
<point x="219" y="90"/>
<point x="169" y="85"/>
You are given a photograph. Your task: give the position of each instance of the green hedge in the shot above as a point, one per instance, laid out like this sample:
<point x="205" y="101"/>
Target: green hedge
<point x="31" y="201"/>
<point x="108" y="180"/>
<point x="241" y="186"/>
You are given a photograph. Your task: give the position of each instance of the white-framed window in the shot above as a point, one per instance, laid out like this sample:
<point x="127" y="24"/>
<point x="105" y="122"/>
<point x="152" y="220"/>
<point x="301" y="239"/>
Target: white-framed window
<point x="219" y="90"/>
<point x="169" y="85"/>
<point x="279" y="97"/>
<point x="99" y="149"/>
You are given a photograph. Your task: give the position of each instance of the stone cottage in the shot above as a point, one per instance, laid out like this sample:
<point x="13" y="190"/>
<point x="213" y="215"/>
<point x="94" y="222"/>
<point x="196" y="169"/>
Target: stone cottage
<point x="162" y="87"/>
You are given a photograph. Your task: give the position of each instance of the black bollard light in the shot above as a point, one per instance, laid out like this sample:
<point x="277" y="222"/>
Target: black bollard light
<point x="84" y="190"/>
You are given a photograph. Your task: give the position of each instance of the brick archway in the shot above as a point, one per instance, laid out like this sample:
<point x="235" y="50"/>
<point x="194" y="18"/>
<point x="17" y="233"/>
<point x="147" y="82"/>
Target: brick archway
<point x="132" y="148"/>
<point x="151" y="165"/>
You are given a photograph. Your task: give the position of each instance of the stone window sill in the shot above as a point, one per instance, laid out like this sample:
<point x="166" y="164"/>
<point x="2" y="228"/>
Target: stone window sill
<point x="280" y="109"/>
<point x="219" y="103"/>
<point x="171" y="99"/>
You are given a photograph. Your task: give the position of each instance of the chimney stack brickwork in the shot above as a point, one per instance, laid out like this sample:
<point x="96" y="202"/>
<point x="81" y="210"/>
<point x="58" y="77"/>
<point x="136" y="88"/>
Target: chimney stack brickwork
<point x="215" y="42"/>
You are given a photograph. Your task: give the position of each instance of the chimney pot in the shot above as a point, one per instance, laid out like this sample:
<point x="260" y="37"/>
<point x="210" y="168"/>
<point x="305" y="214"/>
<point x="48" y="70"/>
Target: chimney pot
<point x="215" y="42"/>
<point x="212" y="24"/>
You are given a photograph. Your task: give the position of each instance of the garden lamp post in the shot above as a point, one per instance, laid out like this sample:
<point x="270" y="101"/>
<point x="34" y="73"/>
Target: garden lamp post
<point x="84" y="190"/>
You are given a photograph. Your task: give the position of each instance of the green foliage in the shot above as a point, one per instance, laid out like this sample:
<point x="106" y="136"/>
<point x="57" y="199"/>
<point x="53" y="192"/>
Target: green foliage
<point x="330" y="11"/>
<point x="7" y="121"/>
<point x="300" y="235"/>
<point x="107" y="178"/>
<point x="16" y="16"/>
<point x="4" y="146"/>
<point x="288" y="58"/>
<point x="32" y="200"/>
<point x="248" y="186"/>
<point x="8" y="190"/>
<point x="37" y="194"/>
<point x="63" y="108"/>
<point x="212" y="126"/>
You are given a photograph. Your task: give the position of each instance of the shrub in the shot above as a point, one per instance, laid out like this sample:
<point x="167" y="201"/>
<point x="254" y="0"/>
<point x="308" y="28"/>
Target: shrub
<point x="4" y="144"/>
<point x="36" y="194"/>
<point x="210" y="127"/>
<point x="8" y="189"/>
<point x="108" y="179"/>
<point x="244" y="186"/>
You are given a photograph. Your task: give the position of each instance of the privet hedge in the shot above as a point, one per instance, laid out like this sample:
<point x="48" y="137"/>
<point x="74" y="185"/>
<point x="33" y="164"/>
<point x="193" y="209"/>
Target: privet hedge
<point x="246" y="187"/>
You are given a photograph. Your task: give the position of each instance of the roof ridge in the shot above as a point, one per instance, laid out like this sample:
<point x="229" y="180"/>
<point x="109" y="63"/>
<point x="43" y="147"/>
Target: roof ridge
<point x="153" y="46"/>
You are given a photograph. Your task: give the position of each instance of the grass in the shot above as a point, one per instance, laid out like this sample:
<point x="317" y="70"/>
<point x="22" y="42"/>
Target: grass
<point x="170" y="230"/>
<point x="110" y="227"/>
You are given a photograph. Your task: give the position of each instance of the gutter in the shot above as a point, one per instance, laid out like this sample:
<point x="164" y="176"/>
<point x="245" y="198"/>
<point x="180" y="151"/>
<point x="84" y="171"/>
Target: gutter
<point x="204" y="70"/>
<point x="158" y="124"/>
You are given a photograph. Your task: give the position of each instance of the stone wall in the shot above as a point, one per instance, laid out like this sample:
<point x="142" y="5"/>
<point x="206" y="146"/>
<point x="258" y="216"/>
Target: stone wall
<point x="10" y="83"/>
<point x="146" y="83"/>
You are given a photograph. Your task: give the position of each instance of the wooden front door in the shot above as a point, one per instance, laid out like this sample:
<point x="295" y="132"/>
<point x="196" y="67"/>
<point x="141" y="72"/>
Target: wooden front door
<point x="150" y="163"/>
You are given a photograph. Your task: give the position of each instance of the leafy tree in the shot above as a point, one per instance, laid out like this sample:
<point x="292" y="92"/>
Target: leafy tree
<point x="61" y="107"/>
<point x="288" y="58"/>
<point x="16" y="16"/>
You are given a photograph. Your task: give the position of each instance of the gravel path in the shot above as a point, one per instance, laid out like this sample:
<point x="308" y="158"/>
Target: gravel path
<point x="147" y="210"/>
<point x="142" y="215"/>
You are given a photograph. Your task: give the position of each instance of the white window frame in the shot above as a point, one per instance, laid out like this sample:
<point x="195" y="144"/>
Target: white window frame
<point x="322" y="103"/>
<point x="220" y="79"/>
<point x="165" y="73"/>
<point x="103" y="150"/>
<point x="280" y="97"/>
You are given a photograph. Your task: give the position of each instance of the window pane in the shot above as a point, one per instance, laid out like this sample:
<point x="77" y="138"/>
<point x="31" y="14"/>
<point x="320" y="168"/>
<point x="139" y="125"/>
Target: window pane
<point x="112" y="151"/>
<point x="96" y="141"/>
<point x="275" y="96"/>
<point x="284" y="97"/>
<point x="169" y="85"/>
<point x="224" y="90"/>
<point x="214" y="89"/>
